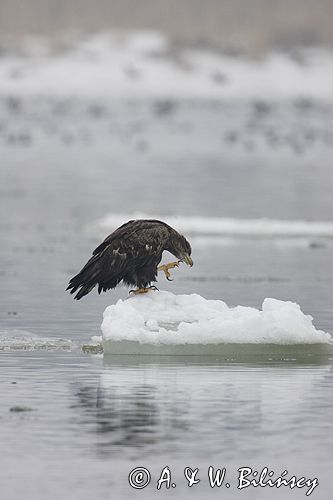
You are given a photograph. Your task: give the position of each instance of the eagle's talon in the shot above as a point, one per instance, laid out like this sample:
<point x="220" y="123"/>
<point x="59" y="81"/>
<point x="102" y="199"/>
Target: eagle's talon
<point x="140" y="291"/>
<point x="165" y="268"/>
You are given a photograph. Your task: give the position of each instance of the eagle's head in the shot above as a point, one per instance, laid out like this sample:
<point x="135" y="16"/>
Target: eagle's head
<point x="180" y="248"/>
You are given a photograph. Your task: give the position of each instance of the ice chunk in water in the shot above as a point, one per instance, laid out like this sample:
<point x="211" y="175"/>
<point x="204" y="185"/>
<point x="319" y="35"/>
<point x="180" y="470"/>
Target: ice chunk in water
<point x="21" y="340"/>
<point x="163" y="318"/>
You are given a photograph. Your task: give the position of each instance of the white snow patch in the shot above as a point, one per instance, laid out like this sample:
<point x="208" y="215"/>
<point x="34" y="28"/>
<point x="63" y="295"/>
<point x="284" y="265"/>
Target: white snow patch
<point x="137" y="65"/>
<point x="168" y="319"/>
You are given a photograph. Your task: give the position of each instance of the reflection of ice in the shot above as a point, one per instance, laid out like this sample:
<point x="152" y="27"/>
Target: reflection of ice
<point x="164" y="319"/>
<point x="201" y="409"/>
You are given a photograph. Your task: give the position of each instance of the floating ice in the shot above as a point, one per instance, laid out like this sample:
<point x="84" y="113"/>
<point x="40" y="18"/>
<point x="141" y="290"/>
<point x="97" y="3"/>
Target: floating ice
<point x="21" y="340"/>
<point x="164" y="319"/>
<point x="225" y="226"/>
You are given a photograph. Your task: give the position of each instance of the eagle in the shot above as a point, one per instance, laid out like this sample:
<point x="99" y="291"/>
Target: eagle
<point x="131" y="254"/>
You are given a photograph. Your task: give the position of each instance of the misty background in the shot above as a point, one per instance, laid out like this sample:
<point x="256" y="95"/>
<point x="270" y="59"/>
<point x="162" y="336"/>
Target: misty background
<point x="250" y="26"/>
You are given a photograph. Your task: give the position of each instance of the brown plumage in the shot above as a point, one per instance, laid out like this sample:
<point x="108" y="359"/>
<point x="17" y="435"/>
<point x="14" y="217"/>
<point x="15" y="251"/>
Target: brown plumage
<point x="130" y="254"/>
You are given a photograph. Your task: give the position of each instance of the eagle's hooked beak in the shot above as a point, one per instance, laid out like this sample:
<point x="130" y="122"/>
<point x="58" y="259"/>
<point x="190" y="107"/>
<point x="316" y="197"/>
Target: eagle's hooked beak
<point x="187" y="259"/>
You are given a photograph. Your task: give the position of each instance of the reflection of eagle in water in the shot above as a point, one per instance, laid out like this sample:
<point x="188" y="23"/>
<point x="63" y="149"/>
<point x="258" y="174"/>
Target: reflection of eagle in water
<point x="131" y="254"/>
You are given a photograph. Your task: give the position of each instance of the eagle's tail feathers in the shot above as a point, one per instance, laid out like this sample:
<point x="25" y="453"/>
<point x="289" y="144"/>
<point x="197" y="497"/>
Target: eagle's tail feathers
<point x="84" y="291"/>
<point x="97" y="271"/>
<point x="86" y="279"/>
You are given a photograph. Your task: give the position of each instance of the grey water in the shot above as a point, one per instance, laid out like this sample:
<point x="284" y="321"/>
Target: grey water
<point x="73" y="425"/>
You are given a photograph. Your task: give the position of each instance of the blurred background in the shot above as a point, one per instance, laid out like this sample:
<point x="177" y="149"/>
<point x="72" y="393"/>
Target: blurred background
<point x="252" y="26"/>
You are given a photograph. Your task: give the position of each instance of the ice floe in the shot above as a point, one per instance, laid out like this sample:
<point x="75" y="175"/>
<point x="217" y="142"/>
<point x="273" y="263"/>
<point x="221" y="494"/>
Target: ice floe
<point x="224" y="226"/>
<point x="21" y="340"/>
<point x="163" y="319"/>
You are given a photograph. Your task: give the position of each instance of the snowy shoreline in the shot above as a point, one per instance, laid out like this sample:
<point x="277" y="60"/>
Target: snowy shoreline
<point x="143" y="64"/>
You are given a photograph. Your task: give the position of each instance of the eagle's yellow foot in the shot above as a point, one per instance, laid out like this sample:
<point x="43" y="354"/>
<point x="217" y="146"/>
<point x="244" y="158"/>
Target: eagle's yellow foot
<point x="139" y="291"/>
<point x="165" y="268"/>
